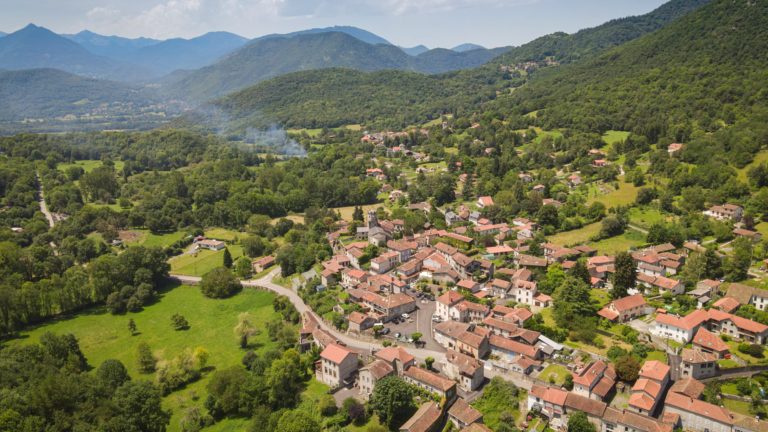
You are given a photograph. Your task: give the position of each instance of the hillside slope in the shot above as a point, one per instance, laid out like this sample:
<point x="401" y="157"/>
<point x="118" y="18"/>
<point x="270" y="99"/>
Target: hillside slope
<point x="36" y="47"/>
<point x="337" y="96"/>
<point x="172" y="54"/>
<point x="565" y="48"/>
<point x="467" y="47"/>
<point x="415" y="50"/>
<point x="47" y="93"/>
<point x="355" y="32"/>
<point x="707" y="67"/>
<point x="273" y="57"/>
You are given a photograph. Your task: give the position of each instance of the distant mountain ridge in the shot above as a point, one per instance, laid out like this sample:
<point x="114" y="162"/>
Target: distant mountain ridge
<point x="358" y="33"/>
<point x="37" y="47"/>
<point x="467" y="47"/>
<point x="114" y="47"/>
<point x="272" y="57"/>
<point x="415" y="50"/>
<point x="3" y="34"/>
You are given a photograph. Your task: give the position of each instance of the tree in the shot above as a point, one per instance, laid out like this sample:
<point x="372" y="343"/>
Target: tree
<point x="429" y="361"/>
<point x="140" y="406"/>
<point x="219" y="283"/>
<point x="548" y="216"/>
<point x="624" y="278"/>
<point x="244" y="324"/>
<point x="694" y="268"/>
<point x="391" y="397"/>
<point x="253" y="246"/>
<point x="144" y="359"/>
<point x="327" y="405"/>
<point x="243" y="268"/>
<point x="645" y="196"/>
<point x="756" y="350"/>
<point x="227" y="258"/>
<point x="579" y="271"/>
<point x="131" y="326"/>
<point x="201" y="357"/>
<point x="112" y="373"/>
<point x="572" y="300"/>
<point x="616" y="352"/>
<point x="568" y="383"/>
<point x="179" y="322"/>
<point x="579" y="422"/>
<point x="416" y="336"/>
<point x="627" y="368"/>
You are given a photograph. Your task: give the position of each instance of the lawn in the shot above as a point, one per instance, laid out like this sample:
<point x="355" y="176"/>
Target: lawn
<point x="737" y="406"/>
<point x="346" y="212"/>
<point x="600" y="297"/>
<point x="553" y="134"/>
<point x="203" y="261"/>
<point x="657" y="356"/>
<point x="437" y="121"/>
<point x="622" y="243"/>
<point x="161" y="240"/>
<point x="548" y="320"/>
<point x="626" y="194"/>
<point x="645" y="217"/>
<point x="224" y="234"/>
<point x="734" y="348"/>
<point x="576" y="236"/>
<point x="104" y="336"/>
<point x="727" y="363"/>
<point x="601" y="351"/>
<point x="311" y="132"/>
<point x="556" y="371"/>
<point x="297" y="219"/>
<point x="759" y="158"/>
<point x="611" y="137"/>
<point x="90" y="165"/>
<point x="315" y="388"/>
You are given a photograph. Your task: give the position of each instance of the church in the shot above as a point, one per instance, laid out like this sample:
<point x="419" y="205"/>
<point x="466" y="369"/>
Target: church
<point x="373" y="232"/>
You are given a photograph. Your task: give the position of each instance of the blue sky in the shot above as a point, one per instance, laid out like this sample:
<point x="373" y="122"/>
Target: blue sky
<point x="434" y="23"/>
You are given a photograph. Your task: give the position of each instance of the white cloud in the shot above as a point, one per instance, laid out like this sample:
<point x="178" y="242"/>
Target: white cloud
<point x="102" y="13"/>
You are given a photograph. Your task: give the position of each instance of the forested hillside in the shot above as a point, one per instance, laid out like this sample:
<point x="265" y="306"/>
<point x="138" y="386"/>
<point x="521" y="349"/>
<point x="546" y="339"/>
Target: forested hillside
<point x="273" y="57"/>
<point x="565" y="48"/>
<point x="48" y="93"/>
<point x="114" y="47"/>
<point x="696" y="73"/>
<point x="334" y="97"/>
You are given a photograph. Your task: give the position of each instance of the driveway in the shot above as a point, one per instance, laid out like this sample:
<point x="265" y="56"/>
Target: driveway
<point x="645" y="328"/>
<point x="346" y="393"/>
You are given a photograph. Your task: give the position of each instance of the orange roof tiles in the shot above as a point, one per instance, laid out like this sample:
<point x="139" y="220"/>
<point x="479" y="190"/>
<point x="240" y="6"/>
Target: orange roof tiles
<point x="336" y="353"/>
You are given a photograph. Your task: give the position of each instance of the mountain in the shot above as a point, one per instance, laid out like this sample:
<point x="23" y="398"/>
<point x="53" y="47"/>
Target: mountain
<point x="340" y="96"/>
<point x="268" y="58"/>
<point x="3" y="34"/>
<point x="172" y="54"/>
<point x="703" y="70"/>
<point x="564" y="48"/>
<point x="415" y="50"/>
<point x="361" y="34"/>
<point x="48" y="93"/>
<point x="467" y="47"/>
<point x="109" y="46"/>
<point x="36" y="47"/>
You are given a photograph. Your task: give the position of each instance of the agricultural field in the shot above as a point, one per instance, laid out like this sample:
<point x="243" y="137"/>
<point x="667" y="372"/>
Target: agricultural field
<point x="90" y="165"/>
<point x="621" y="243"/>
<point x="759" y="158"/>
<point x="346" y="212"/>
<point x="297" y="219"/>
<point x="105" y="336"/>
<point x="611" y="137"/>
<point x="575" y="236"/>
<point x="626" y="194"/>
<point x="202" y="261"/>
<point x="645" y="217"/>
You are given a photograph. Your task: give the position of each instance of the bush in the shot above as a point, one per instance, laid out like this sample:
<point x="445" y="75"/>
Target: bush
<point x="725" y="338"/>
<point x="219" y="283"/>
<point x="744" y="348"/>
<point x="756" y="350"/>
<point x="327" y="405"/>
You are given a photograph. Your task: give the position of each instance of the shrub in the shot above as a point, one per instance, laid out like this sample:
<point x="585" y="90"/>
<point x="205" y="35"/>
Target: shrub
<point x="756" y="350"/>
<point x="219" y="283"/>
<point x="725" y="338"/>
<point x="327" y="405"/>
<point x="744" y="348"/>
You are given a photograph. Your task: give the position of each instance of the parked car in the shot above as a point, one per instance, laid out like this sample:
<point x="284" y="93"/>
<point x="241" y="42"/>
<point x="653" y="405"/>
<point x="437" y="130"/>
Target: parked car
<point x="385" y="331"/>
<point x="397" y="335"/>
<point x="405" y="316"/>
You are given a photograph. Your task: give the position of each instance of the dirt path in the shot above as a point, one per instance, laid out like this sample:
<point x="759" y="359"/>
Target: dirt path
<point x="43" y="208"/>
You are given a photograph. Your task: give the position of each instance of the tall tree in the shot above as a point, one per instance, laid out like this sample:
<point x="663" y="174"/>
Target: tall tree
<point x="624" y="277"/>
<point x="391" y="397"/>
<point x="579" y="271"/>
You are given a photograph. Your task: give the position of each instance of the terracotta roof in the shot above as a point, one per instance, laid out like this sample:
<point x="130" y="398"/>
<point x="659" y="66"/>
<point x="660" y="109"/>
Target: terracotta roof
<point x="709" y="340"/>
<point x="727" y="304"/>
<point x="582" y="403"/>
<point x="743" y="232"/>
<point x="497" y="323"/>
<point x="379" y="369"/>
<point x="450" y="298"/>
<point x="526" y="260"/>
<point x="697" y="356"/>
<point x="519" y="314"/>
<point x="743" y="293"/>
<point x="502" y="310"/>
<point x="452" y="328"/>
<point x="671" y="418"/>
<point x="636" y="420"/>
<point x="549" y="394"/>
<point x="630" y="302"/>
<point x="464" y="412"/>
<point x="357" y="317"/>
<point x="513" y="346"/>
<point x="470" y="338"/>
<point x="467" y="364"/>
<point x="676" y="321"/>
<point x="266" y="260"/>
<point x="608" y="314"/>
<point x="424" y="419"/>
<point x="645" y="385"/>
<point x="466" y="283"/>
<point x="391" y="354"/>
<point x="654" y="370"/>
<point x="529" y="336"/>
<point x="604" y="386"/>
<point x="667" y="283"/>
<point x="591" y="373"/>
<point x="641" y="400"/>
<point x="391" y="301"/>
<point x="336" y="353"/>
<point x="750" y="423"/>
<point x="477" y="427"/>
<point x="700" y="407"/>
<point x="429" y="378"/>
<point x="666" y="247"/>
<point x="473" y="306"/>
<point x="689" y="387"/>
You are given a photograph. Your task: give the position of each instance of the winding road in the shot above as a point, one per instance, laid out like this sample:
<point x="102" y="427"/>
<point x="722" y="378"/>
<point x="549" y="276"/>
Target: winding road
<point x="43" y="208"/>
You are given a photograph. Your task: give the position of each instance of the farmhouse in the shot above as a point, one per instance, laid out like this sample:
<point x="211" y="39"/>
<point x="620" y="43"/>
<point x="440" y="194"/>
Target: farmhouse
<point x="211" y="244"/>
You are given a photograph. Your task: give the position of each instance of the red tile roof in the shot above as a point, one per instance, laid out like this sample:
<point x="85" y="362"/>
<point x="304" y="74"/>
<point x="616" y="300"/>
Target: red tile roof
<point x="549" y="394"/>
<point x="654" y="370"/>
<point x="450" y="298"/>
<point x="709" y="340"/>
<point x="391" y="354"/>
<point x="430" y="378"/>
<point x="702" y="408"/>
<point x="648" y="386"/>
<point x="628" y="303"/>
<point x="513" y="346"/>
<point x="727" y="304"/>
<point x="336" y="353"/>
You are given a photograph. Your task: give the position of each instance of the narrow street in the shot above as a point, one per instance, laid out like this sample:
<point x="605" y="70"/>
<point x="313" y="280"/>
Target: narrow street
<point x="43" y="208"/>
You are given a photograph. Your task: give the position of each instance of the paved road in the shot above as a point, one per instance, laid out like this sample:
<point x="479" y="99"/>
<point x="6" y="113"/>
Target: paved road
<point x="645" y="328"/>
<point x="266" y="281"/>
<point x="43" y="208"/>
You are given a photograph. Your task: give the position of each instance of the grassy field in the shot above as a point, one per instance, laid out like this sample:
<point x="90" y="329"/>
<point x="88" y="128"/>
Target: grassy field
<point x="737" y="406"/>
<point x="611" y="137"/>
<point x="645" y="217"/>
<point x="311" y="132"/>
<point x="161" y="240"/>
<point x="759" y="158"/>
<point x="555" y="371"/>
<point x="600" y="296"/>
<point x="627" y="193"/>
<point x="734" y="348"/>
<point x="620" y="243"/>
<point x="295" y="218"/>
<point x="601" y="351"/>
<point x="553" y="134"/>
<point x="575" y="236"/>
<point x="90" y="165"/>
<point x="437" y="121"/>
<point x="346" y="212"/>
<point x="104" y="336"/>
<point x="203" y="261"/>
<point x="657" y="356"/>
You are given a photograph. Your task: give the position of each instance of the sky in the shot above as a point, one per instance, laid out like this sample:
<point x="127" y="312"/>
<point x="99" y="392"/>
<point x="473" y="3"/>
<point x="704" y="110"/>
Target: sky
<point x="434" y="23"/>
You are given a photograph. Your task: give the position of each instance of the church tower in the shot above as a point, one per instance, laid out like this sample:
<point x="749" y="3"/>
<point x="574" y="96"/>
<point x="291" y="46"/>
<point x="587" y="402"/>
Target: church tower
<point x="373" y="221"/>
